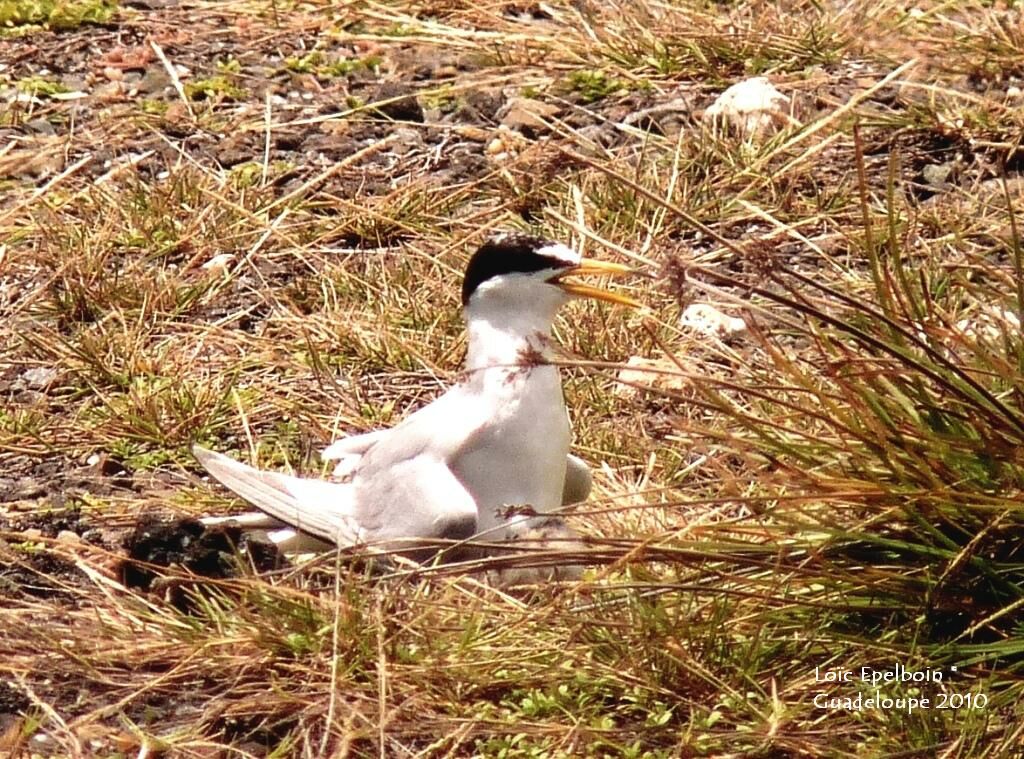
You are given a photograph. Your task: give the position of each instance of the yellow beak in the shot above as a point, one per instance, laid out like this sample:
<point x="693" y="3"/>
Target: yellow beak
<point x="589" y="266"/>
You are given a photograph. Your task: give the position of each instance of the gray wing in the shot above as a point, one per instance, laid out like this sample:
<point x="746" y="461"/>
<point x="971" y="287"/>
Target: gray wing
<point x="413" y="497"/>
<point x="287" y="539"/>
<point x="351" y="450"/>
<point x="578" y="481"/>
<point x="403" y="485"/>
<point x="320" y="508"/>
<point x="353" y="445"/>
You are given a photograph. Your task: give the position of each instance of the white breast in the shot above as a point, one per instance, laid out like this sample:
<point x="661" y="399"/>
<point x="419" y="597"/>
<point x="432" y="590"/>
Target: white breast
<point x="519" y="457"/>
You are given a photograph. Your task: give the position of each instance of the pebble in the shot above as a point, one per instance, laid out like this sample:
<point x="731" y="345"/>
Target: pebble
<point x="526" y="113"/>
<point x="752" y="107"/>
<point x="658" y="372"/>
<point x="40" y="126"/>
<point x="39" y="377"/>
<point x="707" y="320"/>
<point x="406" y="140"/>
<point x="219" y="262"/>
<point x="109" y="91"/>
<point x="936" y="174"/>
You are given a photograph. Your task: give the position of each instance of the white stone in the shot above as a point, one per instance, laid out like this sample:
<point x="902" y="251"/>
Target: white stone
<point x="752" y="107"/>
<point x="989" y="325"/>
<point x="220" y="262"/>
<point x="658" y="373"/>
<point x="707" y="320"/>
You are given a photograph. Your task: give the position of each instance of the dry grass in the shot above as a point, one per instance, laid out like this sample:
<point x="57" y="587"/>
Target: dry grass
<point x="265" y="262"/>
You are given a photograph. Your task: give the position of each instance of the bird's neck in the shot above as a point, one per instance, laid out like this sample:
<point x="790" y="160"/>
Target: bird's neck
<point x="510" y="340"/>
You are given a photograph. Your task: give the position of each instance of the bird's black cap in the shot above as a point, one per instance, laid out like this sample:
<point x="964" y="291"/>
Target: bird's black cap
<point x="506" y="254"/>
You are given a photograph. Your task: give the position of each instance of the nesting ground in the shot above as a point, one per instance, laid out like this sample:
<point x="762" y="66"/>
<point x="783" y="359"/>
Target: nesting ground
<point x="242" y="224"/>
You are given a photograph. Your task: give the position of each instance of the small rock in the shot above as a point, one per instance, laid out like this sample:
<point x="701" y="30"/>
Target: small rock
<point x="234" y="150"/>
<point x="32" y="533"/>
<point x="177" y="119"/>
<point x="74" y="82"/>
<point x="396" y="101"/>
<point x="707" y="320"/>
<point x="67" y="536"/>
<point x="40" y="126"/>
<point x="26" y="489"/>
<point x="527" y="115"/>
<point x="406" y="140"/>
<point x="479" y="107"/>
<point x="937" y="174"/>
<point x="752" y="107"/>
<point x="289" y="141"/>
<point x="657" y="373"/>
<point x="110" y="91"/>
<point x="219" y="262"/>
<point x="39" y="377"/>
<point x="664" y="118"/>
<point x="473" y="134"/>
<point x="27" y="397"/>
<point x="990" y="325"/>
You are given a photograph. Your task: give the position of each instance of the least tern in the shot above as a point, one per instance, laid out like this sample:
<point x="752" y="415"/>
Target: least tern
<point x="482" y="459"/>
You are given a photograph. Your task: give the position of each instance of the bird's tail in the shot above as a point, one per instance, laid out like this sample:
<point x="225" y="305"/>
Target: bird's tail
<point x="316" y="507"/>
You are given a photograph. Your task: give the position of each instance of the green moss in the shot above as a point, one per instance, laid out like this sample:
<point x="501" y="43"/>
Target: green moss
<point x="442" y="98"/>
<point x="56" y="14"/>
<point x="246" y="174"/>
<point x="230" y="66"/>
<point x="593" y="85"/>
<point x="214" y="88"/>
<point x="315" y="63"/>
<point x="345" y="66"/>
<point x="39" y="86"/>
<point x="153" y="107"/>
<point x="305" y="64"/>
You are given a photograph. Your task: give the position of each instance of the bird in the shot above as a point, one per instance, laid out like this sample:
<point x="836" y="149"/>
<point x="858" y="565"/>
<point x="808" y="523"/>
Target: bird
<point x="487" y="460"/>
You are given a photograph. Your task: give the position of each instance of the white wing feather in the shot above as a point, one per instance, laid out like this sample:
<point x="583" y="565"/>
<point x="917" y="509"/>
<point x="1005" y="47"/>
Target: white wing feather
<point x="320" y="508"/>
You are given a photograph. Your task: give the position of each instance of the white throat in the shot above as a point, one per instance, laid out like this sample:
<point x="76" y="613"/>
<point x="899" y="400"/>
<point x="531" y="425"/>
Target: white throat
<point x="507" y="334"/>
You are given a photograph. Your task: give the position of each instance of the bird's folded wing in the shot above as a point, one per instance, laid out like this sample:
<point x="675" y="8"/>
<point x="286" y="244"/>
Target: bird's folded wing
<point x="350" y="451"/>
<point x="416" y="497"/>
<point x="578" y="481"/>
<point x="411" y="497"/>
<point x="352" y="445"/>
<point x="405" y="487"/>
<point x="287" y="539"/>
<point x="323" y="509"/>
